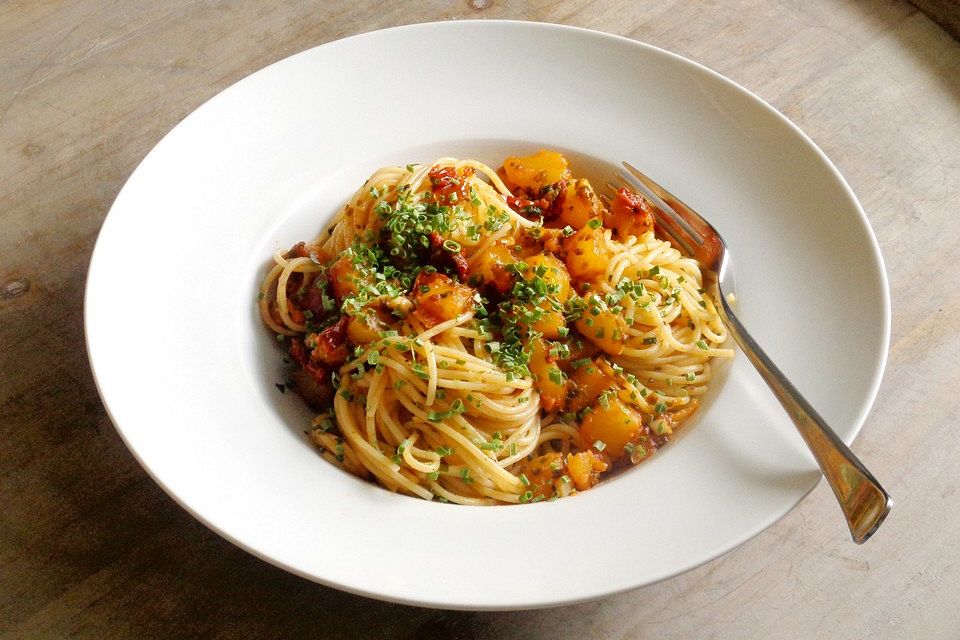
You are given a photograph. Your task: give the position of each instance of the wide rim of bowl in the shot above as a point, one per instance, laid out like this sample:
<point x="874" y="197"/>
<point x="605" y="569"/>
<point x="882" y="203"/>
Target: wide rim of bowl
<point x="143" y="457"/>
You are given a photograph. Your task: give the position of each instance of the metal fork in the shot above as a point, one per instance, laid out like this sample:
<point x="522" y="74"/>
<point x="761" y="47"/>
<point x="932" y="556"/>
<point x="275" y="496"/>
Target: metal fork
<point x="864" y="502"/>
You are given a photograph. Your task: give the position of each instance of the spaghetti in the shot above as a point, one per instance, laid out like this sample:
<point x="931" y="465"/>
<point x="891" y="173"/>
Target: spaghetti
<point x="485" y="337"/>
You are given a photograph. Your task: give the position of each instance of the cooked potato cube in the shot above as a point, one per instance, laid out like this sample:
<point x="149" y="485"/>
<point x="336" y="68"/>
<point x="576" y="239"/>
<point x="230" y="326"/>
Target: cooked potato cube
<point x="611" y="422"/>
<point x="552" y="271"/>
<point x="365" y="327"/>
<point x="437" y="298"/>
<point x="490" y="268"/>
<point x="585" y="469"/>
<point x="547" y="276"/>
<point x="550" y="380"/>
<point x="551" y="324"/>
<point x="344" y="278"/>
<point x="587" y="253"/>
<point x="543" y="473"/>
<point x="588" y="381"/>
<point x="579" y="204"/>
<point x="537" y="171"/>
<point x="607" y="330"/>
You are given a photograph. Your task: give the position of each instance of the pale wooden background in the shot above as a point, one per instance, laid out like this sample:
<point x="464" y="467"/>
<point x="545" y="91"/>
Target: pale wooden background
<point x="92" y="548"/>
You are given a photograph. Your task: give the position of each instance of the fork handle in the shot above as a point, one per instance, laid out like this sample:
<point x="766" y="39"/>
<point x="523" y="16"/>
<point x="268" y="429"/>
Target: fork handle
<point x="864" y="502"/>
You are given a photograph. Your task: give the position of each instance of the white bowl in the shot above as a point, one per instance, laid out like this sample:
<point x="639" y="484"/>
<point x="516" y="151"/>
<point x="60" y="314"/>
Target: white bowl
<point x="187" y="372"/>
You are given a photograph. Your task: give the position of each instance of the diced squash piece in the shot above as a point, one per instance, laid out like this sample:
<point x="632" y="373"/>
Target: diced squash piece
<point x="364" y="328"/>
<point x="543" y="319"/>
<point x="344" y="278"/>
<point x="547" y="276"/>
<point x="588" y="382"/>
<point x="579" y="204"/>
<point x="630" y="214"/>
<point x="543" y="472"/>
<point x="587" y="253"/>
<point x="490" y="268"/>
<point x="551" y="240"/>
<point x="552" y="271"/>
<point x="585" y="468"/>
<point x="607" y="330"/>
<point x="611" y="422"/>
<point x="437" y="298"/>
<point x="550" y="380"/>
<point x="550" y="324"/>
<point x="537" y="171"/>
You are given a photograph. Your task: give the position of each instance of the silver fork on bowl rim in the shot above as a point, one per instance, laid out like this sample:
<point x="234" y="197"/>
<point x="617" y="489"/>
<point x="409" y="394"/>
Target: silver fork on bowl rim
<point x="864" y="502"/>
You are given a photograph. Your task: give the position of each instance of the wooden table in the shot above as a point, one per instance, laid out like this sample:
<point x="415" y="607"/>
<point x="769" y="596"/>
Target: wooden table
<point x="90" y="547"/>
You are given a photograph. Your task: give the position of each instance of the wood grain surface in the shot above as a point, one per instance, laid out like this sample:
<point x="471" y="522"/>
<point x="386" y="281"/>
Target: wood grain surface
<point x="90" y="547"/>
<point x="946" y="13"/>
